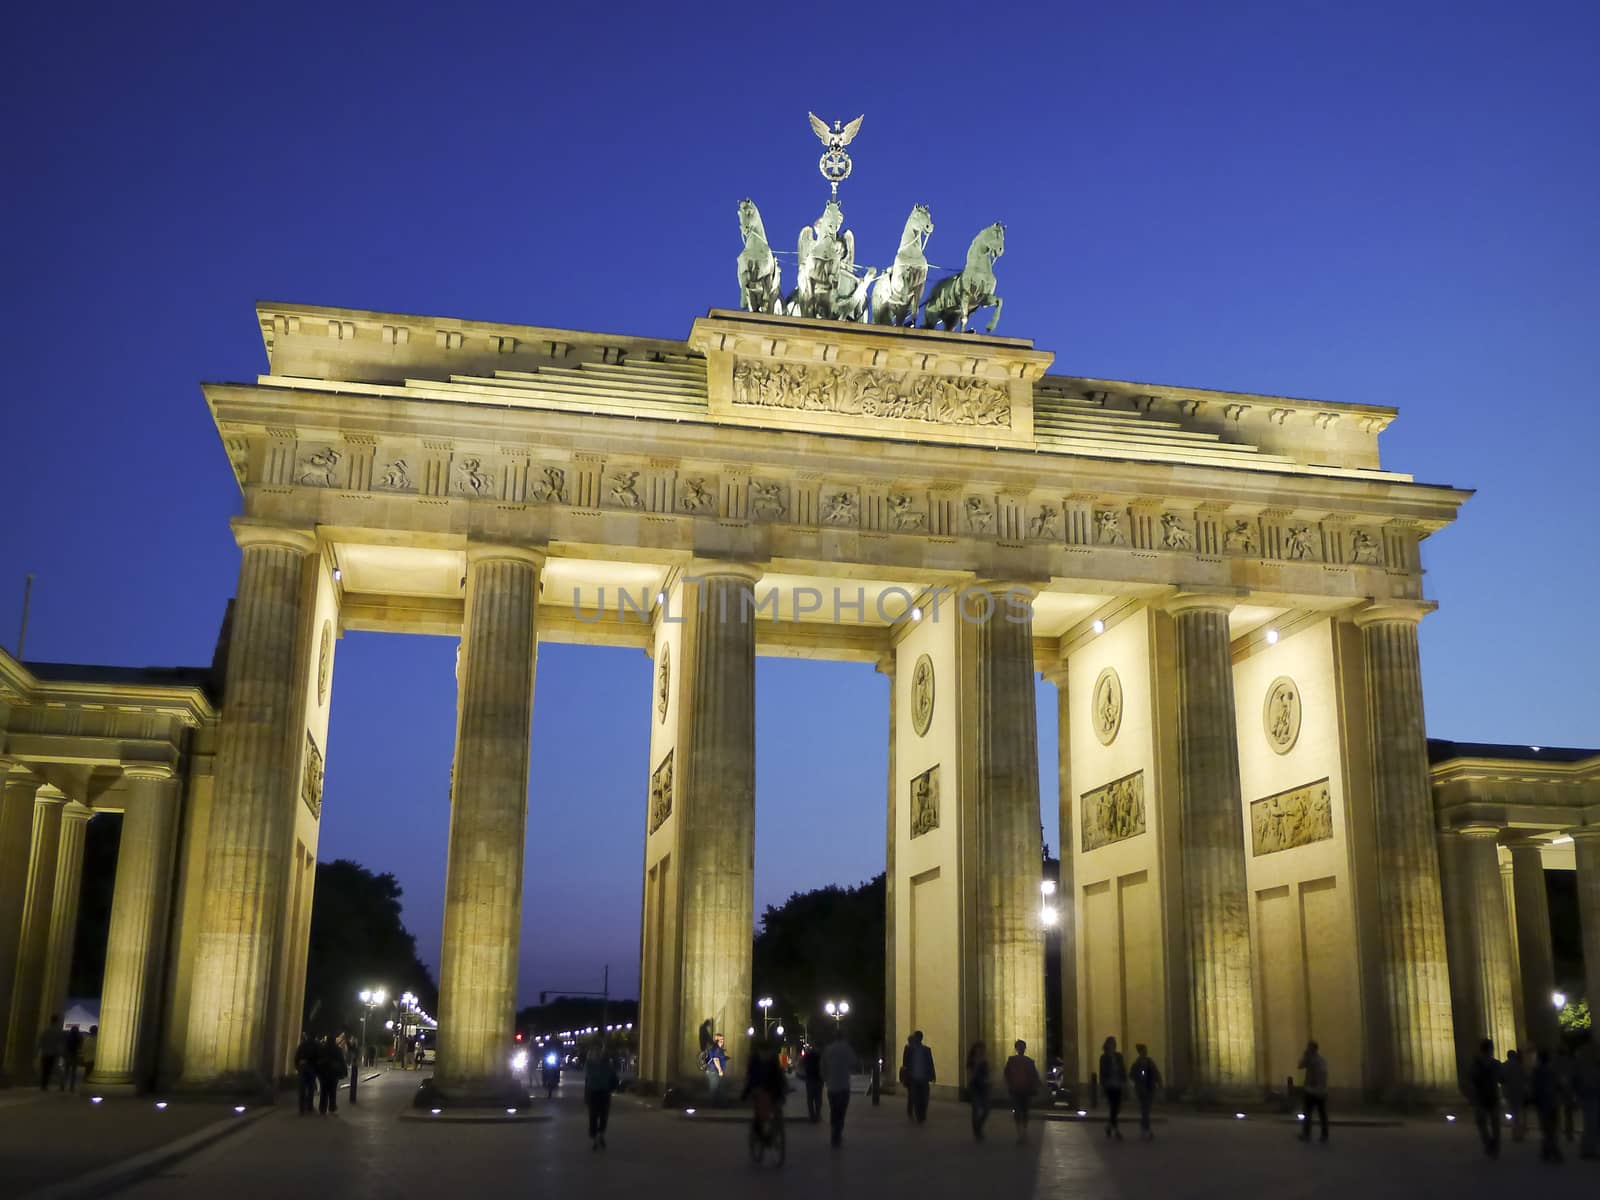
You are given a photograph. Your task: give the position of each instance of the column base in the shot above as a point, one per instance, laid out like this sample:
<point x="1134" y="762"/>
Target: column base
<point x="488" y="1094"/>
<point x="243" y="1086"/>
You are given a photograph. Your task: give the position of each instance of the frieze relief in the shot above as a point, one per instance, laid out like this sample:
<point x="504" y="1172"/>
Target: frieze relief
<point x="841" y="508"/>
<point x="311" y="783"/>
<point x="1108" y="527"/>
<point x="661" y="793"/>
<point x="548" y="485"/>
<point x="854" y="391"/>
<point x="698" y="495"/>
<point x="1113" y="812"/>
<point x="1280" y="714"/>
<point x="319" y="468"/>
<point x="1241" y="538"/>
<point x="922" y="695"/>
<point x="768" y="501"/>
<point x="979" y="514"/>
<point x="1106" y="704"/>
<point x="471" y="478"/>
<point x="1044" y="525"/>
<point x="1298" y="817"/>
<point x="395" y="476"/>
<point x="904" y="515"/>
<point x="925" y="802"/>
<point x="1174" y="534"/>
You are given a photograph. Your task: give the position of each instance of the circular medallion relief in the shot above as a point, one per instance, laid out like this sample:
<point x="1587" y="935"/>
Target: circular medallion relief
<point x="1107" y="712"/>
<point x="324" y="663"/>
<point x="663" y="682"/>
<point x="922" y="695"/>
<point x="1280" y="716"/>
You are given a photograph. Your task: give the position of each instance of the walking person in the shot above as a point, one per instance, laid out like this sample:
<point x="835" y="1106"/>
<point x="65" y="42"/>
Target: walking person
<point x="1315" y="1087"/>
<point x="1022" y="1084"/>
<point x="1514" y="1083"/>
<point x="72" y="1047"/>
<point x="330" y="1070"/>
<point x="836" y="1066"/>
<point x="1483" y="1087"/>
<point x="1146" y="1078"/>
<point x="978" y="1087"/>
<point x="905" y="1077"/>
<point x="1566" y="1083"/>
<point x="1544" y="1087"/>
<point x="52" y="1043"/>
<point x="353" y="1054"/>
<point x="811" y="1072"/>
<point x="714" y="1061"/>
<point x="599" y="1081"/>
<point x="305" y="1063"/>
<point x="920" y="1076"/>
<point x="1113" y="1077"/>
<point x="91" y="1046"/>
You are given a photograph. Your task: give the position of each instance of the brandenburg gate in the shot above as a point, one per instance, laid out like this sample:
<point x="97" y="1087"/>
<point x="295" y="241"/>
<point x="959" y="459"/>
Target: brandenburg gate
<point x="1224" y="588"/>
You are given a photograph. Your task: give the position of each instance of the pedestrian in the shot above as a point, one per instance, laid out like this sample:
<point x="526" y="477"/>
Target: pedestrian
<point x="1566" y="1083"/>
<point x="920" y="1076"/>
<point x="1113" y="1076"/>
<point x="1544" y="1088"/>
<point x="72" y="1048"/>
<point x="1315" y="1087"/>
<point x="330" y="1070"/>
<point x="305" y="1062"/>
<point x="1514" y="1083"/>
<point x="978" y="1087"/>
<point x="838" y="1064"/>
<point x="52" y="1042"/>
<point x="599" y="1081"/>
<point x="1483" y="1086"/>
<point x="714" y="1061"/>
<point x="765" y="1081"/>
<point x="811" y="1073"/>
<point x="91" y="1047"/>
<point x="1146" y="1078"/>
<point x="1022" y="1083"/>
<point x="1587" y="1062"/>
<point x="905" y="1078"/>
<point x="353" y="1055"/>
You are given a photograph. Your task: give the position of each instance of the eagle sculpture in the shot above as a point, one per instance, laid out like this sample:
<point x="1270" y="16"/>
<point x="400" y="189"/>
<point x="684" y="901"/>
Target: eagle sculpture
<point x="836" y="138"/>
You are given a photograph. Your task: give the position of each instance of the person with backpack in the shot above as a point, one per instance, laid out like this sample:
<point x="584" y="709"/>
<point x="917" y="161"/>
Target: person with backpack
<point x="714" y="1062"/>
<point x="1113" y="1078"/>
<point x="1146" y="1078"/>
<point x="1022" y="1084"/>
<point x="1315" y="1089"/>
<point x="599" y="1081"/>
<point x="978" y="1087"/>
<point x="1483" y="1086"/>
<point x="811" y="1072"/>
<point x="919" y="1076"/>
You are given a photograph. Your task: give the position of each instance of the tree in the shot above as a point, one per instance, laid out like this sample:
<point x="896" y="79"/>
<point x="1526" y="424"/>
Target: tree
<point x="825" y="945"/>
<point x="358" y="941"/>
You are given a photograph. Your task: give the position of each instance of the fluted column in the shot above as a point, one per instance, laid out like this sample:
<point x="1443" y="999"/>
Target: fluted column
<point x="1533" y="940"/>
<point x="64" y="907"/>
<point x="251" y="832"/>
<point x="16" y="841"/>
<point x="1411" y="912"/>
<point x="1211" y="837"/>
<point x="488" y="821"/>
<point x="1491" y="981"/>
<point x="1067" y="889"/>
<point x="890" y="966"/>
<point x="1010" y="934"/>
<point x="33" y="942"/>
<point x="717" y="786"/>
<point x="1586" y="847"/>
<point x="130" y="998"/>
<point x="1508" y="895"/>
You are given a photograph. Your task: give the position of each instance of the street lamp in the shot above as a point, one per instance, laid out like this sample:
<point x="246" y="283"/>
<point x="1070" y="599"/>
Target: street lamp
<point x="370" y="998"/>
<point x="838" y="1011"/>
<point x="1559" y="999"/>
<point x="1048" y="915"/>
<point x="765" y="1005"/>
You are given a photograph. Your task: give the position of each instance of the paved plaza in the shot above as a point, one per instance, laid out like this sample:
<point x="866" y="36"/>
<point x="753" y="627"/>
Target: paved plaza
<point x="369" y="1151"/>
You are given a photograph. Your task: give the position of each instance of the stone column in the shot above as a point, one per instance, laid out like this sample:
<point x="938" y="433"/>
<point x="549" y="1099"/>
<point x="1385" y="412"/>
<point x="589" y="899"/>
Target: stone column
<point x="1411" y="912"/>
<point x="1533" y="941"/>
<point x="488" y="822"/>
<point x="16" y="842"/>
<point x="130" y="1000"/>
<point x="1508" y="895"/>
<point x="717" y="787"/>
<point x="1492" y="981"/>
<point x="1211" y="836"/>
<point x="250" y="836"/>
<point x="1010" y="860"/>
<point x="33" y="940"/>
<point x="1067" y="891"/>
<point x="890" y="1040"/>
<point x="1586" y="849"/>
<point x="64" y="907"/>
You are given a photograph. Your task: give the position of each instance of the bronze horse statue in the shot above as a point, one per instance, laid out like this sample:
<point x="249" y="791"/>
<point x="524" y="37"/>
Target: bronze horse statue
<point x="954" y="299"/>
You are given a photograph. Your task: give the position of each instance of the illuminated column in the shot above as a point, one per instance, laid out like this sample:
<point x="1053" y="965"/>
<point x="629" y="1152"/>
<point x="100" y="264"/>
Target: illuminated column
<point x="130" y="999"/>
<point x="488" y="821"/>
<point x="1067" y="891"/>
<point x="64" y="907"/>
<point x="1422" y="1053"/>
<point x="1490" y="981"/>
<point x="16" y="844"/>
<point x="1533" y="942"/>
<point x="33" y="943"/>
<point x="890" y="1040"/>
<point x="716" y="785"/>
<point x="1010" y="934"/>
<point x="1509" y="896"/>
<point x="1211" y="836"/>
<point x="251" y="833"/>
<point x="1586" y="847"/>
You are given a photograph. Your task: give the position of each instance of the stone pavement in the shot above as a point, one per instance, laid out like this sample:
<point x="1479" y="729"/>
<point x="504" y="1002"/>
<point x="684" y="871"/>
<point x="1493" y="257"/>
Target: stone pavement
<point x="369" y="1152"/>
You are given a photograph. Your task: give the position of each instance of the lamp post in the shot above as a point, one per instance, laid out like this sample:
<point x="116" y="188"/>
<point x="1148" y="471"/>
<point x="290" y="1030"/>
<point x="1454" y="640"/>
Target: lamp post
<point x="765" y="1005"/>
<point x="838" y="1011"/>
<point x="1048" y="913"/>
<point x="370" y="998"/>
<point x="407" y="1003"/>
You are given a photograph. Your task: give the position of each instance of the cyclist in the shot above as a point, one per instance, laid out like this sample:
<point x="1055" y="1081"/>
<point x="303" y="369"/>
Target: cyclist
<point x="766" y="1082"/>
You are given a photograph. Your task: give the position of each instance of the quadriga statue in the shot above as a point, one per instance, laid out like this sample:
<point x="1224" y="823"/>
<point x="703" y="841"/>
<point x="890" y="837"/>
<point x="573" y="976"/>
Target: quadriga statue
<point x="897" y="295"/>
<point x="954" y="299"/>
<point x="760" y="284"/>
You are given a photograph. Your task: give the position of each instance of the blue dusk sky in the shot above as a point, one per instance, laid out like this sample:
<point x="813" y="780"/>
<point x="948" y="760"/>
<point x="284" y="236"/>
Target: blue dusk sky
<point x="1388" y="203"/>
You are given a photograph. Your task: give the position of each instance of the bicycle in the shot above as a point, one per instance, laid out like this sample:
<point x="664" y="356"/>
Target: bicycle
<point x="766" y="1131"/>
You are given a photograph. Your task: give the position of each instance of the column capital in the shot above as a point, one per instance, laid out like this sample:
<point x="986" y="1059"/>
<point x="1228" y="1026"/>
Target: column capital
<point x="248" y="532"/>
<point x="1187" y="602"/>
<point x="1480" y="830"/>
<point x="1407" y="612"/>
<point x="75" y="811"/>
<point x="1583" y="833"/>
<point x="49" y="793"/>
<point x="147" y="771"/>
<point x="533" y="556"/>
<point x="885" y="664"/>
<point x="711" y="568"/>
<point x="1002" y="586"/>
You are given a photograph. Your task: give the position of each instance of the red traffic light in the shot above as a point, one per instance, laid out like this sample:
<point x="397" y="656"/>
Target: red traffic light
<point x="519" y="1037"/>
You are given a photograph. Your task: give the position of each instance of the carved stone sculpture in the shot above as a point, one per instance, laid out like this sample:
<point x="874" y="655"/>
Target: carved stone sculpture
<point x="955" y="298"/>
<point x="663" y="681"/>
<point x="767" y="501"/>
<point x="472" y="479"/>
<point x="316" y="470"/>
<point x="396" y="477"/>
<point x="324" y="663"/>
<point x="760" y="280"/>
<point x="980" y="514"/>
<point x="1108" y="527"/>
<point x="922" y="695"/>
<point x="1280" y="714"/>
<point x="1298" y="541"/>
<point x="550" y="487"/>
<point x="661" y="793"/>
<point x="826" y="284"/>
<point x="1114" y="812"/>
<point x="1106" y="701"/>
<point x="1173" y="534"/>
<point x="903" y="513"/>
<point x="311" y="784"/>
<point x="696" y="497"/>
<point x="1043" y="524"/>
<point x="1297" y="817"/>
<point x="841" y="509"/>
<point x="1240" y="538"/>
<point x="1364" y="549"/>
<point x="897" y="295"/>
<point x="925" y="802"/>
<point x="624" y="491"/>
<point x="858" y="391"/>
